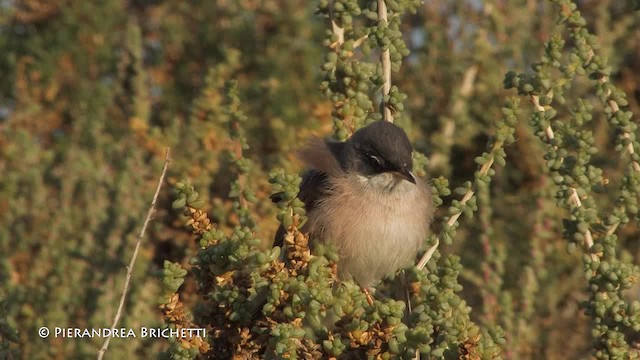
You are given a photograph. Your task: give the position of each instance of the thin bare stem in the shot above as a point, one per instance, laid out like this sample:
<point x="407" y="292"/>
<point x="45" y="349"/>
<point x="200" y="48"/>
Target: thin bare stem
<point x="458" y="107"/>
<point x="465" y="90"/>
<point x="134" y="257"/>
<point x="385" y="59"/>
<point x="427" y="255"/>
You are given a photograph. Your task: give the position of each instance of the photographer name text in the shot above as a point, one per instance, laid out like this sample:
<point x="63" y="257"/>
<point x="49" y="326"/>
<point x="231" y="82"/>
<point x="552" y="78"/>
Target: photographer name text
<point x="143" y="332"/>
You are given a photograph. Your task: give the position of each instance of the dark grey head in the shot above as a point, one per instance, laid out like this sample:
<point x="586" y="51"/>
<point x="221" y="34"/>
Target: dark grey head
<point x="380" y="147"/>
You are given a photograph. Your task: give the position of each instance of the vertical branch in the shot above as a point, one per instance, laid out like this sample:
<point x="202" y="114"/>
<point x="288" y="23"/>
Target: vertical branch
<point x="134" y="257"/>
<point x="588" y="238"/>
<point x="348" y="93"/>
<point x="385" y="59"/>
<point x="240" y="192"/>
<point x="615" y="108"/>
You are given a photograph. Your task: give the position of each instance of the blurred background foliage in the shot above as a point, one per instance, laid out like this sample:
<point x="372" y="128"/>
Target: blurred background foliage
<point x="92" y="92"/>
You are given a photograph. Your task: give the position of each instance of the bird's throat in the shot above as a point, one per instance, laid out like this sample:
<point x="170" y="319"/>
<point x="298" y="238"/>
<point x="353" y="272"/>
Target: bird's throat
<point x="386" y="183"/>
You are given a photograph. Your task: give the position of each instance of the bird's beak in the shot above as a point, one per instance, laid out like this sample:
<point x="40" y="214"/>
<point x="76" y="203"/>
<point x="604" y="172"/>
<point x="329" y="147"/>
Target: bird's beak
<point x="406" y="174"/>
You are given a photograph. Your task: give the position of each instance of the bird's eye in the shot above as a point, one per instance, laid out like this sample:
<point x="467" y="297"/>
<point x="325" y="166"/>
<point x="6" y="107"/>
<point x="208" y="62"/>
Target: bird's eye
<point x="376" y="161"/>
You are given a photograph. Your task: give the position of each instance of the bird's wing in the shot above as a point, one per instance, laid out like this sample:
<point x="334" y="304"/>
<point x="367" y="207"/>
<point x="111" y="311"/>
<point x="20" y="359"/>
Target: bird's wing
<point x="311" y="188"/>
<point x="320" y="157"/>
<point x="314" y="186"/>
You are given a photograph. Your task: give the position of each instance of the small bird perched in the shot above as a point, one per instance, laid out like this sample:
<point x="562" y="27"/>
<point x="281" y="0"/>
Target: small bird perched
<point x="361" y="197"/>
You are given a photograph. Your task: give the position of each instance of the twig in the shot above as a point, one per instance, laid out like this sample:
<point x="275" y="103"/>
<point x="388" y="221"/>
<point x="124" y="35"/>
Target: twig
<point x="613" y="105"/>
<point x="427" y="255"/>
<point x="588" y="238"/>
<point x="337" y="29"/>
<point x="360" y="40"/>
<point x="452" y="220"/>
<point x="132" y="263"/>
<point x="237" y="151"/>
<point x="548" y="132"/>
<point x="385" y="58"/>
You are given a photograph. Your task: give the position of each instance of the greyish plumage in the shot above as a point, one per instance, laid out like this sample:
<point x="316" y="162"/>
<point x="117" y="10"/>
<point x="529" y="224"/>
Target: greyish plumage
<point x="361" y="197"/>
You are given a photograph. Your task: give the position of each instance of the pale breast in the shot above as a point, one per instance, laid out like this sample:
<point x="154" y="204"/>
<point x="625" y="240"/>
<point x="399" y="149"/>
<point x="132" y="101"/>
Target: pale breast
<point x="376" y="224"/>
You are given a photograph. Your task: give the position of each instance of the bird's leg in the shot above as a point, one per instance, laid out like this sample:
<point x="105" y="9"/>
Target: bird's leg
<point x="407" y="295"/>
<point x="368" y="295"/>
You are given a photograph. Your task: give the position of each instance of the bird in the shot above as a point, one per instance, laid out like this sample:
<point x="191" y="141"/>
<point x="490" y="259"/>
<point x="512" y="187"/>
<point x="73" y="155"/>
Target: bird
<point x="361" y="197"/>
